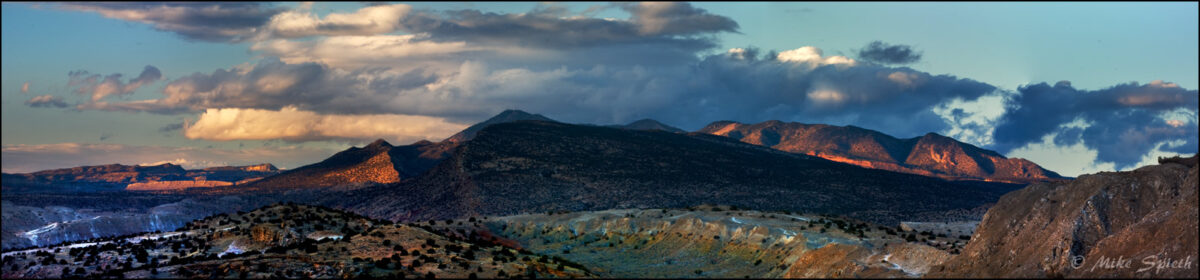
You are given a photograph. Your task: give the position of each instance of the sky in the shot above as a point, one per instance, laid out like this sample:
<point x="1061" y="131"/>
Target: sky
<point x="1076" y="87"/>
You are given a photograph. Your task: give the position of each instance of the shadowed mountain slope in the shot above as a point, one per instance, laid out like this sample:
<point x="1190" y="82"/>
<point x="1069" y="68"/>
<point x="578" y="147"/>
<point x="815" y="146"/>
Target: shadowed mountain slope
<point x="928" y="155"/>
<point x="533" y="166"/>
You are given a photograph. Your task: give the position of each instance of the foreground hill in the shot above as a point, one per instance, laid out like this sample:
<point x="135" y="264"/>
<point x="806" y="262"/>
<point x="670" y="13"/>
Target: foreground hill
<point x="292" y="241"/>
<point x="535" y="166"/>
<point x="115" y="177"/>
<point x="1140" y="223"/>
<point x="928" y="155"/>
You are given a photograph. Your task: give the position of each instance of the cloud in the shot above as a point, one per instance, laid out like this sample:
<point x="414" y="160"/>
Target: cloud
<point x="1122" y="123"/>
<point x="291" y="124"/>
<point x="171" y="127"/>
<point x="46" y="101"/>
<point x="884" y="53"/>
<point x="213" y="22"/>
<point x="29" y="158"/>
<point x="270" y="84"/>
<point x="25" y="87"/>
<point x="674" y="25"/>
<point x="377" y="19"/>
<point x="406" y="52"/>
<point x="676" y="18"/>
<point x="99" y="87"/>
<point x="812" y="56"/>
<point x="798" y="85"/>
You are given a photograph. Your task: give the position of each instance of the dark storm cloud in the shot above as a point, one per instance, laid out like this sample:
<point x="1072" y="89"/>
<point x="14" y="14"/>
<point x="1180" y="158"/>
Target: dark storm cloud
<point x="1126" y="120"/>
<point x="884" y="53"/>
<point x="671" y="24"/>
<point x="272" y="84"/>
<point x="213" y="22"/>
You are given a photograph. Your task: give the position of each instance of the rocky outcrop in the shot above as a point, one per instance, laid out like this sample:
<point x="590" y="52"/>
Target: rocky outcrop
<point x="1140" y="223"/>
<point x="928" y="155"/>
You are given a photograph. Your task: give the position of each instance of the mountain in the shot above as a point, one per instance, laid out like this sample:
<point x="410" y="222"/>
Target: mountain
<point x="375" y="163"/>
<point x="1131" y="224"/>
<point x="537" y="166"/>
<point x="380" y="162"/>
<point x="116" y="177"/>
<point x="928" y="155"/>
<point x="649" y="124"/>
<point x="504" y="117"/>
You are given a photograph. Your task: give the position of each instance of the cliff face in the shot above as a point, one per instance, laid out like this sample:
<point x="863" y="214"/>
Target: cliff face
<point x="1140" y="223"/>
<point x="928" y="155"/>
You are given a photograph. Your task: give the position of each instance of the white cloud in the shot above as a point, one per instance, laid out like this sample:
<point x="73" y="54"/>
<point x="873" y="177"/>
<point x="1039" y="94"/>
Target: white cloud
<point x="366" y="21"/>
<point x="972" y="121"/>
<point x="1066" y="160"/>
<point x="812" y="56"/>
<point x="293" y="124"/>
<point x="25" y="87"/>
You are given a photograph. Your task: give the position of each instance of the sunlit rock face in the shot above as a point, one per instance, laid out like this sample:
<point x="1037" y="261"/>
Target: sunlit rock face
<point x="1139" y="223"/>
<point x="928" y="155"/>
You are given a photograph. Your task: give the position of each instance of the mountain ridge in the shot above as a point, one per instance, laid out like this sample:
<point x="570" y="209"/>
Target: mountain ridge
<point x="928" y="155"/>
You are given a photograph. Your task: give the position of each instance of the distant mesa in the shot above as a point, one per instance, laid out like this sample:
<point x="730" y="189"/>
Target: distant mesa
<point x="113" y="177"/>
<point x="928" y="155"/>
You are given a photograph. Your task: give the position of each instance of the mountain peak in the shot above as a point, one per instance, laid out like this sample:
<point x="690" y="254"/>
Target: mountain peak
<point x="650" y="124"/>
<point x="379" y="143"/>
<point x="510" y="115"/>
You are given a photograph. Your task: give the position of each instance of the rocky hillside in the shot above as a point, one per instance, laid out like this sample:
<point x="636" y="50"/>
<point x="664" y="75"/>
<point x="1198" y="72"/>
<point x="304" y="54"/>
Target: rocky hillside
<point x="928" y="155"/>
<point x="286" y="241"/>
<point x="1134" y="224"/>
<point x="720" y="242"/>
<point x="115" y="177"/>
<point x="534" y="166"/>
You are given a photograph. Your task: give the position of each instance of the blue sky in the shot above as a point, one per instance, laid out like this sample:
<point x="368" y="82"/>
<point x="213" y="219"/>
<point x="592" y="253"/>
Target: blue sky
<point x="433" y="68"/>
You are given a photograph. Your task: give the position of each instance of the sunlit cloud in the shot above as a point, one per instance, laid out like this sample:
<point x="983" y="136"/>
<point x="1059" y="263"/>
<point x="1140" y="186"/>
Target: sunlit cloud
<point x="291" y="124"/>
<point x="46" y="101"/>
